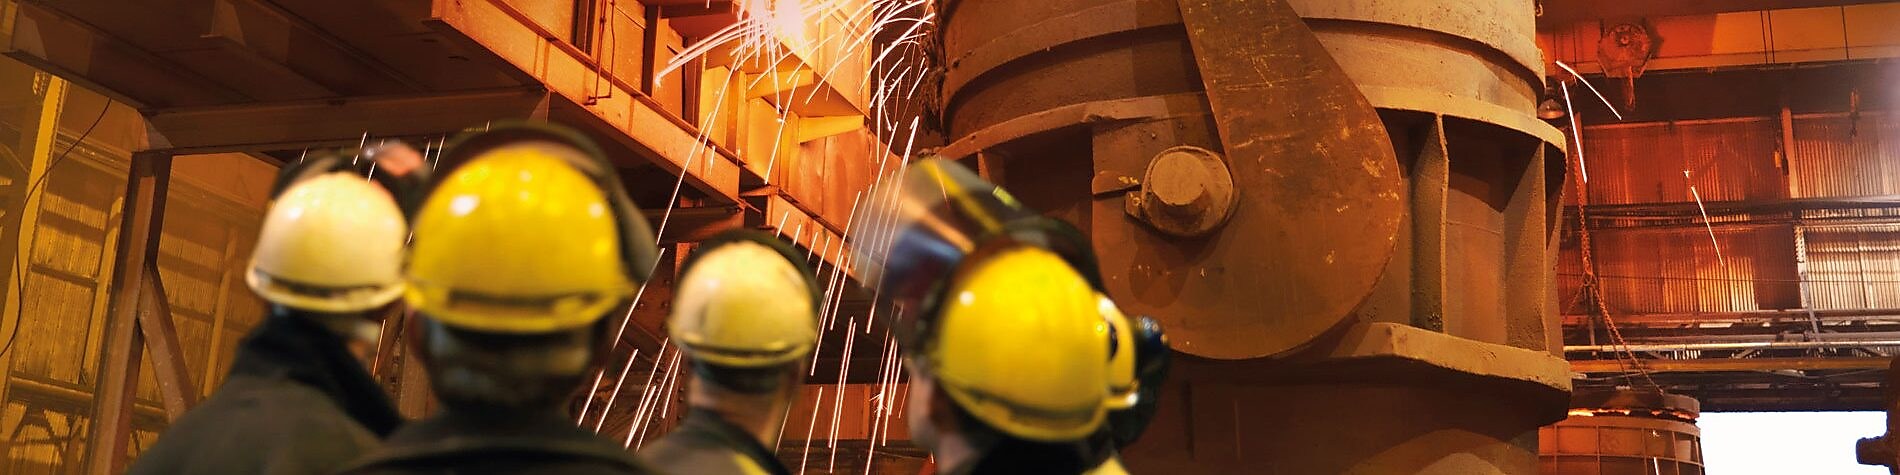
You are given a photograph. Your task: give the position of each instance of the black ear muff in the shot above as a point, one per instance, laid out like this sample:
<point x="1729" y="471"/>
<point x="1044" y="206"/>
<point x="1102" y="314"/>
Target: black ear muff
<point x="777" y="245"/>
<point x="638" y="251"/>
<point x="407" y="189"/>
<point x="312" y="166"/>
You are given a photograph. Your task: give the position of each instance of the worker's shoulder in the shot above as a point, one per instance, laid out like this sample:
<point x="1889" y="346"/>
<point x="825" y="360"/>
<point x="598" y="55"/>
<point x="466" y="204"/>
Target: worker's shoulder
<point x="250" y="427"/>
<point x="697" y="456"/>
<point x="501" y="462"/>
<point x="252" y="412"/>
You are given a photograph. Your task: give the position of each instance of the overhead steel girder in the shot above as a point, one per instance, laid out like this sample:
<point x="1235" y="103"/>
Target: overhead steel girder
<point x="1562" y="11"/>
<point x="1731" y="365"/>
<point x="332" y="122"/>
<point x="804" y="228"/>
<point x="38" y="36"/>
<point x="613" y="107"/>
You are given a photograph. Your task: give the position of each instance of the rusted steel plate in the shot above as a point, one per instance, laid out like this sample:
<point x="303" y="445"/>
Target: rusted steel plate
<point x="1088" y="23"/>
<point x="1131" y="109"/>
<point x="1320" y="195"/>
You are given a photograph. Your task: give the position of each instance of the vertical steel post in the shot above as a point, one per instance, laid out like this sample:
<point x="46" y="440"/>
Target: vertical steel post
<point x="145" y="188"/>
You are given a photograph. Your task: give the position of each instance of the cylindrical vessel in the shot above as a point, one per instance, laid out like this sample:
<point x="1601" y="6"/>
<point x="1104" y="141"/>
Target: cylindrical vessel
<point x="1624" y="433"/>
<point x="1395" y="320"/>
<point x="1084" y="91"/>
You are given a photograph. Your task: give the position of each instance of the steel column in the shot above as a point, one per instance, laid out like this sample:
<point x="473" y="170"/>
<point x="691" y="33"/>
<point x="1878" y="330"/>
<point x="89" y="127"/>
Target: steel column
<point x="139" y="225"/>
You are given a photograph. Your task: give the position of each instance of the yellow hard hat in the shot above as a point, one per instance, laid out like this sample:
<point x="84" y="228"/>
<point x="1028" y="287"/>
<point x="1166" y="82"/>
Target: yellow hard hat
<point x="745" y="301"/>
<point x="527" y="232"/>
<point x="1123" y="387"/>
<point x="1021" y="344"/>
<point x="331" y="242"/>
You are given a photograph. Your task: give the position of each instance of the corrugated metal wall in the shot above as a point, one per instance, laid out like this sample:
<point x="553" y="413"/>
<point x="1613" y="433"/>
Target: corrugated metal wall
<point x="1669" y="271"/>
<point x="1675" y="270"/>
<point x="1854" y="267"/>
<point x="1836" y="156"/>
<point x="1644" y="163"/>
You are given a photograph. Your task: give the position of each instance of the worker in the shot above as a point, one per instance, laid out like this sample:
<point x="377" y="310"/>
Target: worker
<point x="947" y="215"/>
<point x="1138" y="364"/>
<point x="327" y="259"/>
<point x="521" y="251"/>
<point x="1009" y="373"/>
<point x="745" y="312"/>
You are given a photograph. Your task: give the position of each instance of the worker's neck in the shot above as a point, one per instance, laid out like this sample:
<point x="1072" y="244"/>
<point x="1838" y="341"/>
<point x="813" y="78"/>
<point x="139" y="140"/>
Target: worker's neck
<point x="759" y="415"/>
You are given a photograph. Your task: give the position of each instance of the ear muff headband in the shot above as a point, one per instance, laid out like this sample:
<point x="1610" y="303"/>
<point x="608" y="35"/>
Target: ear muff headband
<point x="637" y="250"/>
<point x="785" y="250"/>
<point x="408" y="191"/>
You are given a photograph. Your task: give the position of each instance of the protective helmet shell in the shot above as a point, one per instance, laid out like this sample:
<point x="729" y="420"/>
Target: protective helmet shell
<point x="518" y="240"/>
<point x="743" y="304"/>
<point x="330" y="243"/>
<point x="1021" y="344"/>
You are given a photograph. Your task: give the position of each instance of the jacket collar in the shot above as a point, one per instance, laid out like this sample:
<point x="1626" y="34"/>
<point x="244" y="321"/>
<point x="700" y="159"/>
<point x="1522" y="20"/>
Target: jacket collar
<point x="451" y="433"/>
<point x="708" y="425"/>
<point x="288" y="346"/>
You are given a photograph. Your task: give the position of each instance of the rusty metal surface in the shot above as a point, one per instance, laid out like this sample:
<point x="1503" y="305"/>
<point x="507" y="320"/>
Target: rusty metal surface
<point x="1114" y="110"/>
<point x="976" y="60"/>
<point x="1320" y="192"/>
<point x="1187" y="191"/>
<point x="1624" y="431"/>
<point x="1628" y="399"/>
<point x="161" y="338"/>
<point x="118" y="380"/>
<point x="1474" y="59"/>
<point x="1500" y="25"/>
<point x="1137" y="62"/>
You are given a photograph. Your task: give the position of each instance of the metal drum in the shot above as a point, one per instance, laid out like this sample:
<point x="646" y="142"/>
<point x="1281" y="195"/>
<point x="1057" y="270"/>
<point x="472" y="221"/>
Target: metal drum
<point x="1261" y="211"/>
<point x="1344" y="219"/>
<point x="1619" y="433"/>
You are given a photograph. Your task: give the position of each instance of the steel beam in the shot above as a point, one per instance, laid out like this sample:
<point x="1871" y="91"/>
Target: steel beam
<point x="161" y="337"/>
<point x="1759" y="317"/>
<point x="336" y="122"/>
<point x="823" y="239"/>
<point x="814" y="128"/>
<point x="39" y="36"/>
<point x="1861" y="342"/>
<point x="389" y="335"/>
<point x="139" y="225"/>
<point x="1732" y="365"/>
<point x="693" y="224"/>
<point x="623" y="113"/>
<point x="1564" y="11"/>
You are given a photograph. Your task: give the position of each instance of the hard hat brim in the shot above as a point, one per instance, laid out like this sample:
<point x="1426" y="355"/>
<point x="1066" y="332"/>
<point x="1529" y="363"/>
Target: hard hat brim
<point x="497" y="314"/>
<point x="326" y="299"/>
<point x="1043" y="425"/>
